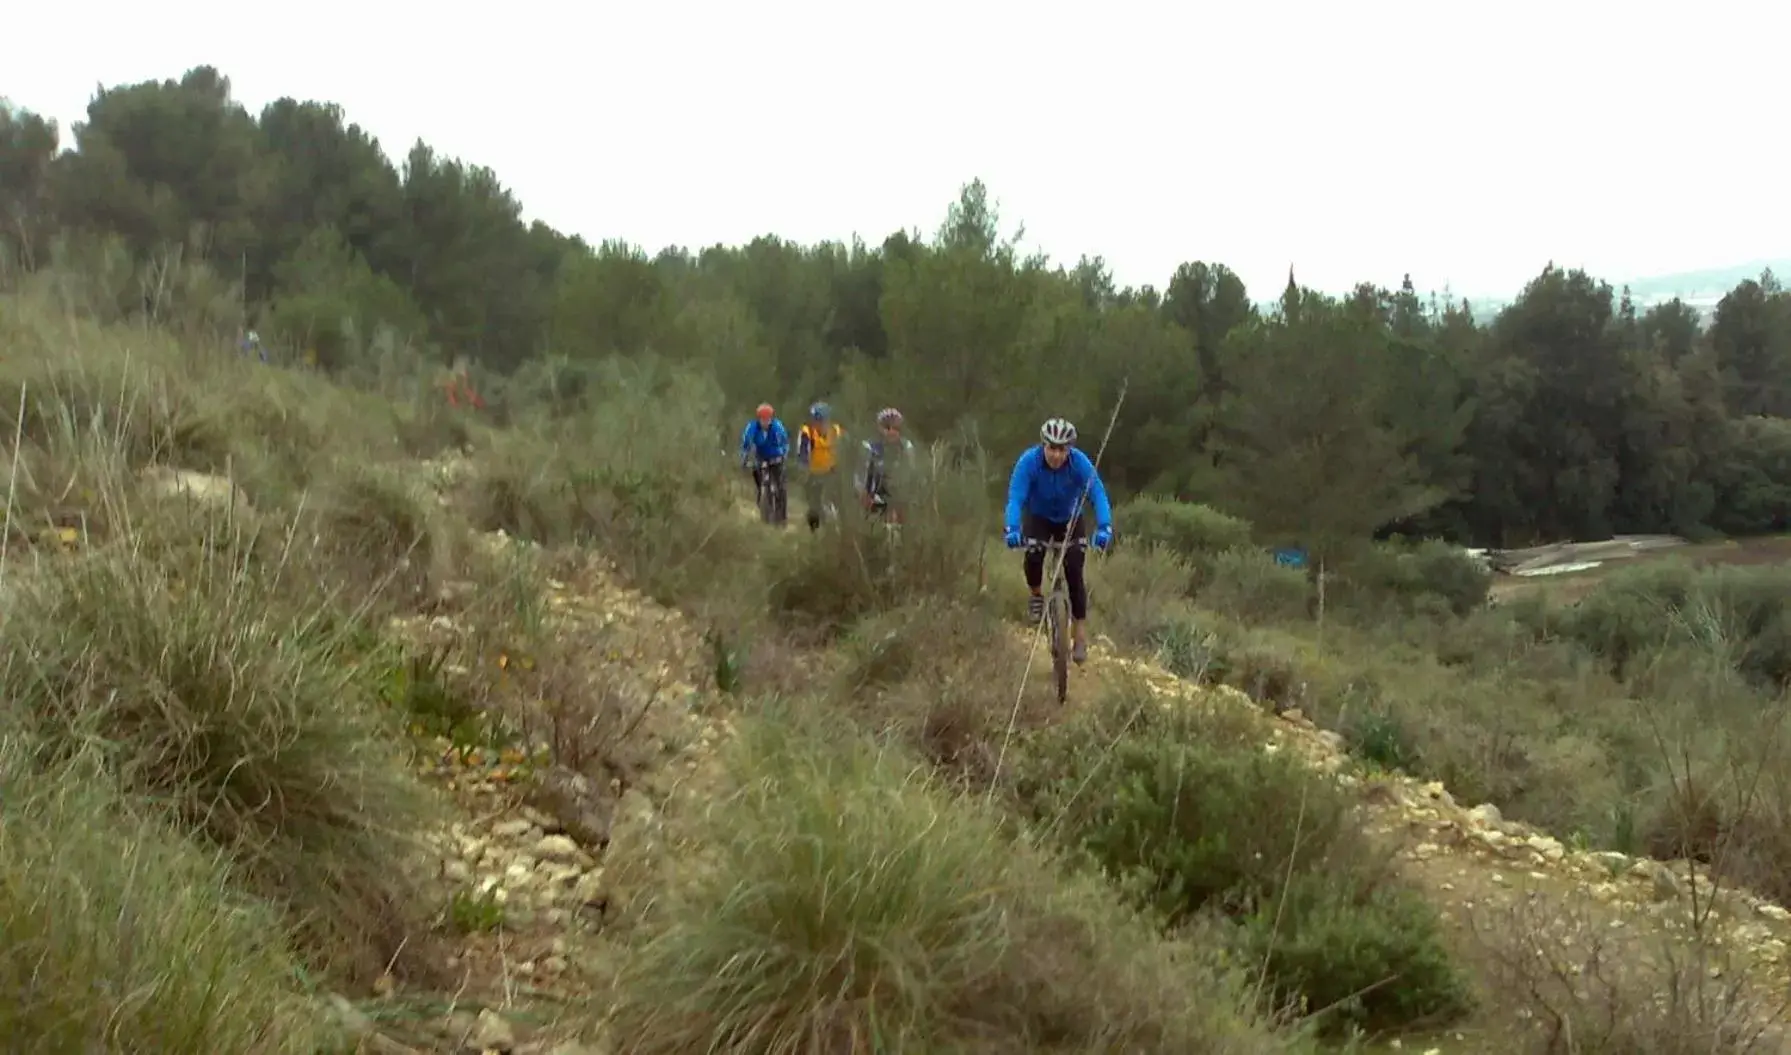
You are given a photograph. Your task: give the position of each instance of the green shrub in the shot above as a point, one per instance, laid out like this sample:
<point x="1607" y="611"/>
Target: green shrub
<point x="887" y="648"/>
<point x="1247" y="583"/>
<point x="634" y="474"/>
<point x="1368" y="956"/>
<point x="1625" y="615"/>
<point x="120" y="935"/>
<point x="1269" y="665"/>
<point x="112" y="400"/>
<point x="384" y="534"/>
<point x="1184" y="801"/>
<point x="1197" y="533"/>
<point x="846" y="905"/>
<point x="1419" y="579"/>
<point x="1139" y="591"/>
<point x="1183" y="807"/>
<point x="922" y="674"/>
<point x="216" y="691"/>
<point x="1378" y="736"/>
<point x="1739" y="613"/>
<point x="1185" y="648"/>
<point x="856" y="566"/>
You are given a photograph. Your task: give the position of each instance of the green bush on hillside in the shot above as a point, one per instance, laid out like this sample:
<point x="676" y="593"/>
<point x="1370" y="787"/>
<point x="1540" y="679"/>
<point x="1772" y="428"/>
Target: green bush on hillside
<point x="1186" y="810"/>
<point x="1365" y="954"/>
<point x="1416" y="580"/>
<point x="121" y="935"/>
<point x="1247" y="583"/>
<point x="107" y="402"/>
<point x="384" y="532"/>
<point x="227" y="697"/>
<point x="1139" y="592"/>
<point x="633" y="471"/>
<point x="846" y="904"/>
<point x="1195" y="532"/>
<point x="1268" y="664"/>
<point x="1742" y="613"/>
<point x="856" y="566"/>
<point x="891" y="647"/>
<point x="941" y="677"/>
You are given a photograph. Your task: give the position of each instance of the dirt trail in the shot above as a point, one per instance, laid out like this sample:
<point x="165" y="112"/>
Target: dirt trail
<point x="525" y="864"/>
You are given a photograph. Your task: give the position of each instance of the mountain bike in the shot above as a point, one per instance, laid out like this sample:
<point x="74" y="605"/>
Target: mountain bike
<point x="773" y="494"/>
<point x="1057" y="609"/>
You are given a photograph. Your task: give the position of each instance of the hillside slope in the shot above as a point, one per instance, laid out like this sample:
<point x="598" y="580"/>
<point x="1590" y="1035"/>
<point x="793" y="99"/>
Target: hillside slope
<point x="1581" y="918"/>
<point x="455" y="786"/>
<point x="1523" y="905"/>
<point x="550" y="871"/>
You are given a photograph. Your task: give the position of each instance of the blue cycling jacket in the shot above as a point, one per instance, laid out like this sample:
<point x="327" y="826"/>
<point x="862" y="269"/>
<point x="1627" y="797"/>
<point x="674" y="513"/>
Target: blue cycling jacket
<point x="769" y="443"/>
<point x="1051" y="494"/>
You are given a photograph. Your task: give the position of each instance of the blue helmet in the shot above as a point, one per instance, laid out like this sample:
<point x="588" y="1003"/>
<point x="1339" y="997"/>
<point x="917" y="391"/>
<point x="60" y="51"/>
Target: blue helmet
<point x="819" y="411"/>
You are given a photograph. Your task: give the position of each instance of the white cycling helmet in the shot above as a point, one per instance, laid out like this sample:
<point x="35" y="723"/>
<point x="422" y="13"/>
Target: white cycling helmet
<point x="1057" y="432"/>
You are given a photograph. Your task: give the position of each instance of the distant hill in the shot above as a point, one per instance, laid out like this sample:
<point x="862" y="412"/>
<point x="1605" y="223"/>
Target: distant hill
<point x="1699" y="284"/>
<point x="1701" y="289"/>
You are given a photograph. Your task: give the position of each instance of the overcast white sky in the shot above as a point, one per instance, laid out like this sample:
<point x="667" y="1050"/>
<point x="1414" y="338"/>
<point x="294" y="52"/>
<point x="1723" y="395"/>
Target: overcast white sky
<point x="1465" y="141"/>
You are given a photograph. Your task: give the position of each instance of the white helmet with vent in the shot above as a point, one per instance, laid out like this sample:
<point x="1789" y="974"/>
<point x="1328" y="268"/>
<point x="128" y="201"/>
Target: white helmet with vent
<point x="1057" y="432"/>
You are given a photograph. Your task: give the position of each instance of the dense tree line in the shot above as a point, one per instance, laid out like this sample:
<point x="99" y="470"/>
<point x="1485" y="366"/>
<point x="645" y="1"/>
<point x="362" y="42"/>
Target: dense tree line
<point x="1323" y="419"/>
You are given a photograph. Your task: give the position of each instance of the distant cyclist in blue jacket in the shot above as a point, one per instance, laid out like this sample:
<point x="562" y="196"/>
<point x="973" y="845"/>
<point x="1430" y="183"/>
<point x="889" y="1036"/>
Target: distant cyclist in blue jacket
<point x="763" y="446"/>
<point x="1046" y="499"/>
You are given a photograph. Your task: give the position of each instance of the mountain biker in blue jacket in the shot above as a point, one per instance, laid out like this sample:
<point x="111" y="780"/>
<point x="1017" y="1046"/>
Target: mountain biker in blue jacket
<point x="1045" y="497"/>
<point x="765" y="443"/>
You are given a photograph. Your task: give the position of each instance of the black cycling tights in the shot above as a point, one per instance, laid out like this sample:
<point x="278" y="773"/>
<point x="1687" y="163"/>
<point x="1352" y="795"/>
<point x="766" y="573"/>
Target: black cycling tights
<point x="1035" y="528"/>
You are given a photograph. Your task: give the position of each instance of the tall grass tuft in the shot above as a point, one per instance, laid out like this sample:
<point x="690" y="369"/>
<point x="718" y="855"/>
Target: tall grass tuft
<point x="846" y="904"/>
<point x="122" y="935"/>
<point x="218" y="689"/>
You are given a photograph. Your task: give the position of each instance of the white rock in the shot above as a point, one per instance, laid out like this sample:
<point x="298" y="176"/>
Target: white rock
<point x="1548" y="847"/>
<point x="589" y="888"/>
<point x="558" y="875"/>
<point x="514" y="828"/>
<point x="493" y="1032"/>
<point x="556" y="848"/>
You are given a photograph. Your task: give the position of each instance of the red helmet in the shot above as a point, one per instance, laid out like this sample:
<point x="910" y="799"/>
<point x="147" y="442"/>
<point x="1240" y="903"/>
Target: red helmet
<point x="764" y="412"/>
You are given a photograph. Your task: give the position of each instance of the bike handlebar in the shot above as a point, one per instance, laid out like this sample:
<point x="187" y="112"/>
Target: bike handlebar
<point x="1042" y="544"/>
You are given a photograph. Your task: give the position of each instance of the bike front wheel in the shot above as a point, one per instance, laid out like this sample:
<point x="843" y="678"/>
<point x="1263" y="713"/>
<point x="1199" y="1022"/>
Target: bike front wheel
<point x="1057" y="625"/>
